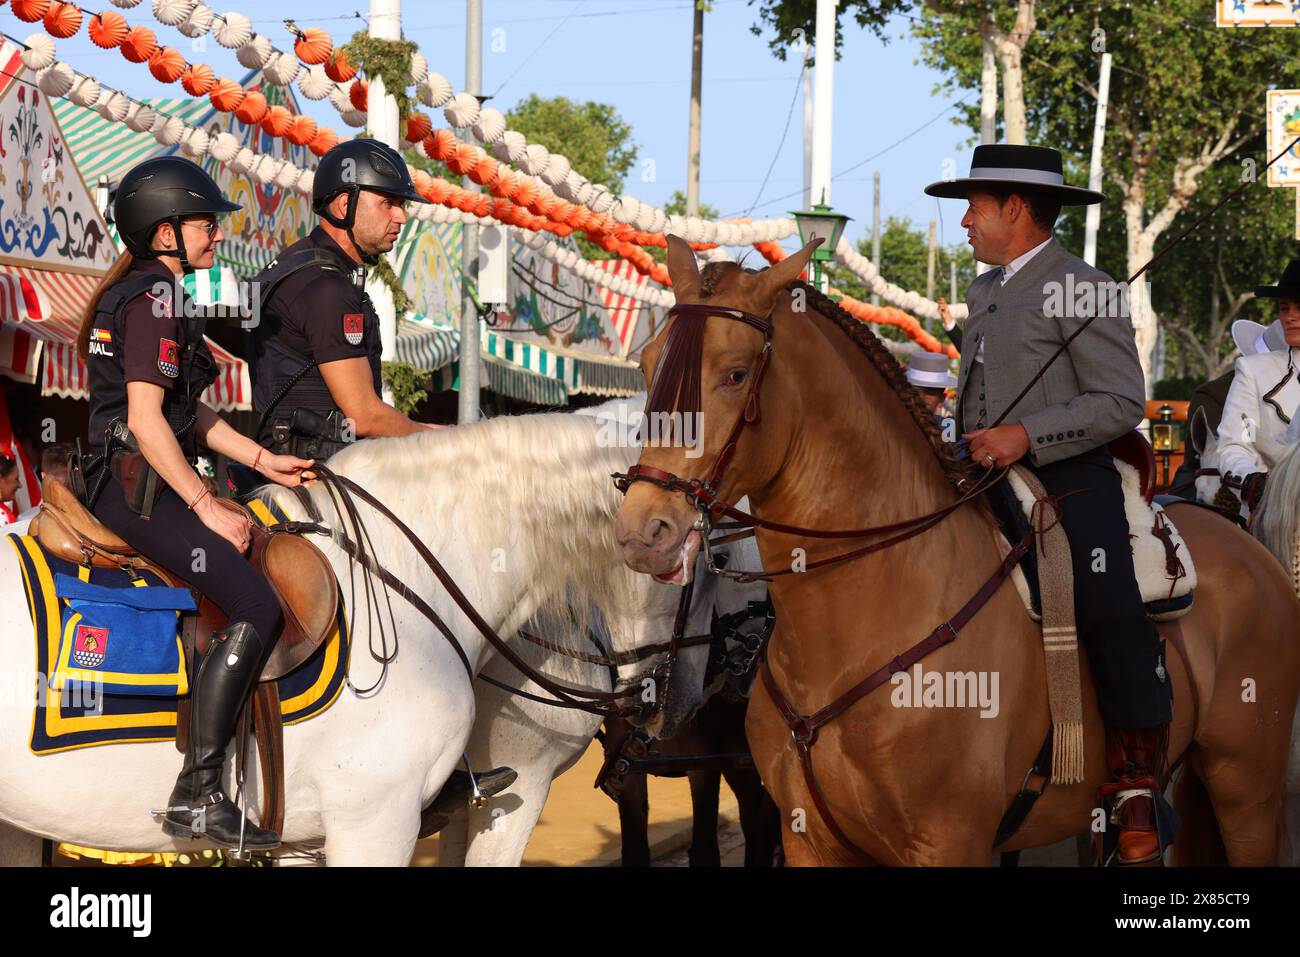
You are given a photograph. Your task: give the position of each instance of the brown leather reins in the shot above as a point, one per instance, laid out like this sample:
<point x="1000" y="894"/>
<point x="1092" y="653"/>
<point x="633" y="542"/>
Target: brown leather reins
<point x="342" y="489"/>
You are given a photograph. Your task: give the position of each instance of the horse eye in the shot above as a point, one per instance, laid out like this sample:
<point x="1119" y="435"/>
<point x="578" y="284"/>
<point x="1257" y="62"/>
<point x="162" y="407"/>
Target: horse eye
<point x="736" y="376"/>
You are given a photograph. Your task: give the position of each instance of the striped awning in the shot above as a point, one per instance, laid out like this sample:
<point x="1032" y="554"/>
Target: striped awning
<point x="61" y="298"/>
<point x="425" y="344"/>
<point x="624" y="311"/>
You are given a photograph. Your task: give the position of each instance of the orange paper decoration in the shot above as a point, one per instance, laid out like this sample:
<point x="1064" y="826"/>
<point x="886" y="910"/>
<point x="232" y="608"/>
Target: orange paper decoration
<point x="337" y="67"/>
<point x="441" y="145"/>
<point x="277" y="121"/>
<point x="166" y="64"/>
<point x="63" y="20"/>
<point x="359" y="94"/>
<point x="486" y="172"/>
<point x="197" y="79"/>
<point x="252" y="109"/>
<point x="226" y="95"/>
<point x="139" y="44"/>
<point x="107" y="29"/>
<point x="418" y="126"/>
<point x="31" y="10"/>
<point x="323" y="141"/>
<point x="301" y="131"/>
<point x="313" y="46"/>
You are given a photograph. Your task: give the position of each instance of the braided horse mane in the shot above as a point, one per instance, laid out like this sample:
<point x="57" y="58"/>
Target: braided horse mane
<point x="879" y="357"/>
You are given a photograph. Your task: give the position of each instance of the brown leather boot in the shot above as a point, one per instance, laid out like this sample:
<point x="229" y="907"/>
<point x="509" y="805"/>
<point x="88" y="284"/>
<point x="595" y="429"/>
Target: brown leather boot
<point x="1136" y="758"/>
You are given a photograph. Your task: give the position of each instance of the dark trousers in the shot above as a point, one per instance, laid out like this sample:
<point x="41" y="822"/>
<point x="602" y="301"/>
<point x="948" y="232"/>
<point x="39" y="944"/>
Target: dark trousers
<point x="1123" y="646"/>
<point x="176" y="539"/>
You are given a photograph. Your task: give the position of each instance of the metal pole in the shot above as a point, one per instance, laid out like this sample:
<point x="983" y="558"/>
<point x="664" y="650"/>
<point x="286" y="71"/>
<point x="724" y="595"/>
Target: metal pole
<point x="1093" y="221"/>
<point x="823" y="100"/>
<point x="807" y="124"/>
<point x="469" y="338"/>
<point x="988" y="111"/>
<point x="931" y="262"/>
<point x="875" y="229"/>
<point x="384" y="125"/>
<point x="693" y="148"/>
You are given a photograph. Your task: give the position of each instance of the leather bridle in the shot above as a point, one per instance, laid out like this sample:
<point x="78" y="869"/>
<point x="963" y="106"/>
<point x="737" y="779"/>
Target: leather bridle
<point x="703" y="495"/>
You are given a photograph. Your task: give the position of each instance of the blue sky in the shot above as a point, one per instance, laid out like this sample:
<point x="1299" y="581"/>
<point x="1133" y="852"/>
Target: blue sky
<point x="635" y="54"/>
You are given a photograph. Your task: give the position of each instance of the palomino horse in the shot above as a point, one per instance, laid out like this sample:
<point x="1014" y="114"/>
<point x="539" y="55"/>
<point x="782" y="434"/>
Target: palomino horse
<point x="836" y="439"/>
<point x="521" y="513"/>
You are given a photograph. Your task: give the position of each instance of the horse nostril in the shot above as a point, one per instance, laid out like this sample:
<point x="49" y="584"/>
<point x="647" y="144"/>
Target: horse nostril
<point x="657" y="531"/>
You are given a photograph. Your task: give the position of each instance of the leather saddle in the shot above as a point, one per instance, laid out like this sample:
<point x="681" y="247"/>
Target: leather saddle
<point x="298" y="572"/>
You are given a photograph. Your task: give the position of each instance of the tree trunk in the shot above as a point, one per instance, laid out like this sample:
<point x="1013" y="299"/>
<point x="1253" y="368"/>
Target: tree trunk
<point x="1008" y="47"/>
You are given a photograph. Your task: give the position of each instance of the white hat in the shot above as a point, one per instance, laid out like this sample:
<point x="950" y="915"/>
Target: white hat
<point x="1254" y="339"/>
<point x="929" y="370"/>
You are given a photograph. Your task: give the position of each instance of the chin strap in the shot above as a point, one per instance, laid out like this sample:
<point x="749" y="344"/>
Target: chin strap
<point x="346" y="223"/>
<point x="179" y="251"/>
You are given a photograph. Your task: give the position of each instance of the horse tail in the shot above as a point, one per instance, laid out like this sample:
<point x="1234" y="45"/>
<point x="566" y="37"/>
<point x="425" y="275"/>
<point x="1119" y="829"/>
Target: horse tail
<point x="1199" y="842"/>
<point x="1277" y="522"/>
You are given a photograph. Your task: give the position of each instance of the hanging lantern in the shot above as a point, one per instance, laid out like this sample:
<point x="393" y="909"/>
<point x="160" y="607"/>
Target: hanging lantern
<point x="63" y="20"/>
<point x="337" y="67"/>
<point x="107" y="29"/>
<point x="167" y="65"/>
<point x="313" y="46"/>
<point x="30" y="11"/>
<point x="324" y="141"/>
<point x="197" y="79"/>
<point x="252" y="109"/>
<point x="226" y="95"/>
<point x="139" y="44"/>
<point x="359" y="95"/>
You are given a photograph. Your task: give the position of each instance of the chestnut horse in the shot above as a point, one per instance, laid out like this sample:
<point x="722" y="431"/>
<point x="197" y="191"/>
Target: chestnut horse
<point x="836" y="439"/>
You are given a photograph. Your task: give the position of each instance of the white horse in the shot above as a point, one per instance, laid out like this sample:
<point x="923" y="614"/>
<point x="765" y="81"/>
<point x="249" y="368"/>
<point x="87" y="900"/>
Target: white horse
<point x="1277" y="525"/>
<point x="520" y="510"/>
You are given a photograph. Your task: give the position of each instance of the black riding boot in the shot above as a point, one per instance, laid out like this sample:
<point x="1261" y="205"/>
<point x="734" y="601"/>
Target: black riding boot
<point x="198" y="806"/>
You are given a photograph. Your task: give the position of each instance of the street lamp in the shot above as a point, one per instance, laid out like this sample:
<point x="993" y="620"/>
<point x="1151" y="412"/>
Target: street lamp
<point x="820" y="221"/>
<point x="1165" y="439"/>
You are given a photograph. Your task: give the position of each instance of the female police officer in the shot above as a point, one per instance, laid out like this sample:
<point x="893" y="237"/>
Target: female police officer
<point x="147" y="365"/>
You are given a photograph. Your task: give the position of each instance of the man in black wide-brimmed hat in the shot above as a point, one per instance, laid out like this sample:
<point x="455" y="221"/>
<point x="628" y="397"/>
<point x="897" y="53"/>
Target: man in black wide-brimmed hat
<point x="1019" y="315"/>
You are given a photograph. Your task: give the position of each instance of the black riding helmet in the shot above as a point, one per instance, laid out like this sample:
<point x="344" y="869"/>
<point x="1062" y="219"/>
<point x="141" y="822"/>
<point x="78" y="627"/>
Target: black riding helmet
<point x="356" y="165"/>
<point x="164" y="189"/>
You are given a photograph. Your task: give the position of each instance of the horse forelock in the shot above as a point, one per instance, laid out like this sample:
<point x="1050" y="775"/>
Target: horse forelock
<point x="531" y="494"/>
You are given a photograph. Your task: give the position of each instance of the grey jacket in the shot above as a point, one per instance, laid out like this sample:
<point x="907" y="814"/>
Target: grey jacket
<point x="1093" y="393"/>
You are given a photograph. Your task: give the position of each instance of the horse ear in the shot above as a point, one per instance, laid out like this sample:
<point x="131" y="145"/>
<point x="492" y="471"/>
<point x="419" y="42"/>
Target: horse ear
<point x="683" y="270"/>
<point x="775" y="278"/>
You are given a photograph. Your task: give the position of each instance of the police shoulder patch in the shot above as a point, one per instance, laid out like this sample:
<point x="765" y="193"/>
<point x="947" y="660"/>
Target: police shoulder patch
<point x="169" y="360"/>
<point x="354" y="326"/>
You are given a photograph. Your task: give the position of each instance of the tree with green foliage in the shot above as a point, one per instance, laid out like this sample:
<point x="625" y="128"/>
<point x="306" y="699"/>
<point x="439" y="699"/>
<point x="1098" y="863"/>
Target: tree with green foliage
<point x="596" y="140"/>
<point x="1185" y="101"/>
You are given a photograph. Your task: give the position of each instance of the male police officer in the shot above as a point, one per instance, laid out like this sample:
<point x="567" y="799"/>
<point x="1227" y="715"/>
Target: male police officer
<point x="316" y="350"/>
<point x="316" y="380"/>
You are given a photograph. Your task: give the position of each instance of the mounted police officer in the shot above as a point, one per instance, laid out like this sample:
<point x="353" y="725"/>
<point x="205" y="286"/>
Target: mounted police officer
<point x="148" y="364"/>
<point x="1091" y="396"/>
<point x="315" y="355"/>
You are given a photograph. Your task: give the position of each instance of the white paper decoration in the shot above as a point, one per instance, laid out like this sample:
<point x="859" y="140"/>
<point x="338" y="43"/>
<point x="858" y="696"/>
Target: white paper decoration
<point x="419" y="69"/>
<point x="314" y="84"/>
<point x="305" y="180"/>
<point x="255" y="52"/>
<point x="84" y="91"/>
<point x="281" y="69"/>
<point x="535" y="159"/>
<point x="462" y="110"/>
<point x="435" y="90"/>
<point x="338" y="95"/>
<point x="557" y="169"/>
<point x="243" y="160"/>
<point x="516" y="143"/>
<point x="141" y="118"/>
<point x="40" y="51"/>
<point x="112" y="105"/>
<point x="198" y="22"/>
<point x="172" y="12"/>
<point x="195" y="141"/>
<point x="232" y="30"/>
<point x="354" y="118"/>
<point x="287" y="178"/>
<point x="490" y="127"/>
<point x="170" y="131"/>
<point x="224" y="146"/>
<point x="126" y="4"/>
<point x="55" y="80"/>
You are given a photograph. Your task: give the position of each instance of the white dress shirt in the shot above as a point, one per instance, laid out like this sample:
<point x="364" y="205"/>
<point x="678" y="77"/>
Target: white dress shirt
<point x="1009" y="270"/>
